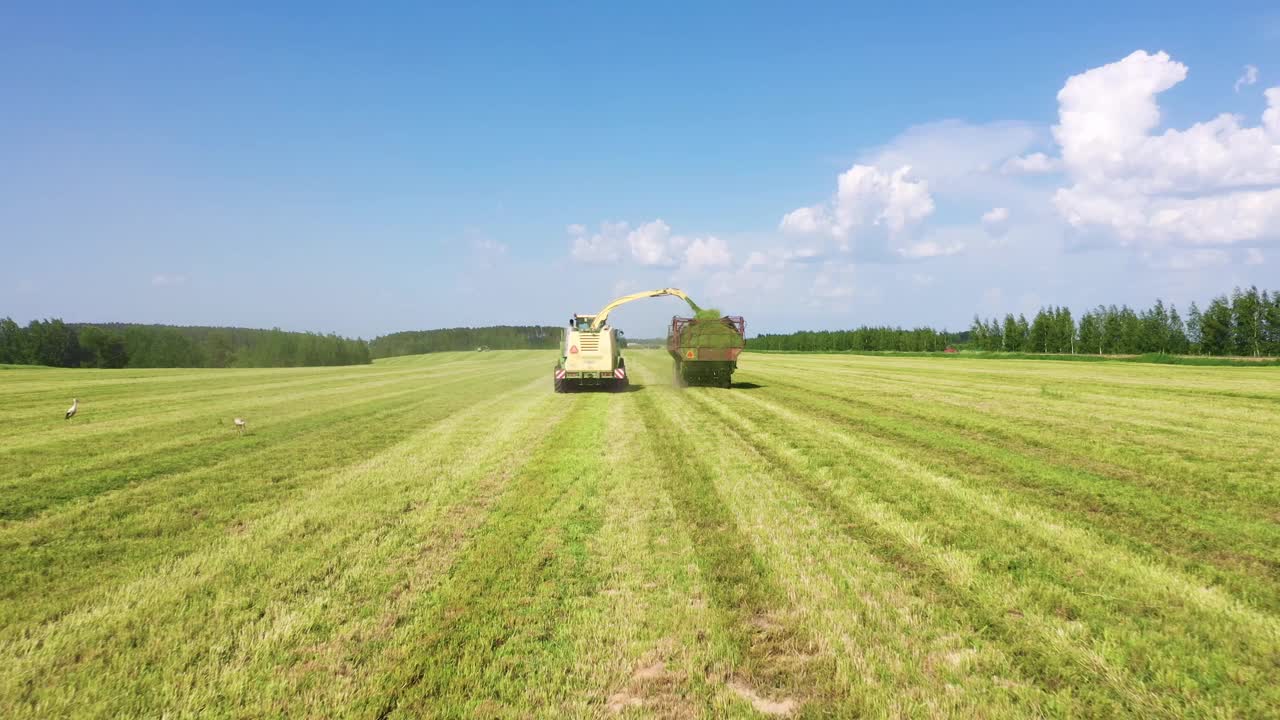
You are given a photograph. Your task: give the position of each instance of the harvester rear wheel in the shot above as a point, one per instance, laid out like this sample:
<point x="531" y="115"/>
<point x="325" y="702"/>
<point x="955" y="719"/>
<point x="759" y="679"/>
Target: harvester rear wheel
<point x="559" y="384"/>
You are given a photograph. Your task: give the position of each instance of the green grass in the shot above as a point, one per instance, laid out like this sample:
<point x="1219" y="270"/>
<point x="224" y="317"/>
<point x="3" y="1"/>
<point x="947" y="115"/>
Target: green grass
<point x="838" y="536"/>
<point x="1155" y="358"/>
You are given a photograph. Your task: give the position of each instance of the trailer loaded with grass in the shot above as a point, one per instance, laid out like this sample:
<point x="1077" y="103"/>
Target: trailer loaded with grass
<point x="705" y="348"/>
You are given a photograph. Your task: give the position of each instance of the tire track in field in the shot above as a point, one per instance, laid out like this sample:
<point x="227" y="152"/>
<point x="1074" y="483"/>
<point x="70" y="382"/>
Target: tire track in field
<point x="903" y="544"/>
<point x="892" y="654"/>
<point x="647" y="639"/>
<point x="484" y="635"/>
<point x="354" y="535"/>
<point x="773" y="654"/>
<point x="958" y="570"/>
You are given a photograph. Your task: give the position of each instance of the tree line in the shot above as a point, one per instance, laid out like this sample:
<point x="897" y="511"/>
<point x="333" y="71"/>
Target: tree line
<point x="498" y="337"/>
<point x="859" y="339"/>
<point x="1245" y="323"/>
<point x="118" y="345"/>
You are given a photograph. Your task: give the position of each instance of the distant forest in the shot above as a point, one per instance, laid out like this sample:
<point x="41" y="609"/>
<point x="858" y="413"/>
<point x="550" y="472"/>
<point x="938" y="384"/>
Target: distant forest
<point x="1246" y="323"/>
<point x="863" y="338"/>
<point x="117" y="345"/>
<point x="500" y="337"/>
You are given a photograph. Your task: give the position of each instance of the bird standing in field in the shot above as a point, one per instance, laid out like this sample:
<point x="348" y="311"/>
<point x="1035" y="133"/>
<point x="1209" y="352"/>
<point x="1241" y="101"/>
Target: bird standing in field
<point x="71" y="411"/>
<point x="239" y="423"/>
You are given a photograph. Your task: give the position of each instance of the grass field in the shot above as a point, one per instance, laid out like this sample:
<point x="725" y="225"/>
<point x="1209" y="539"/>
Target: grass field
<point x="442" y="536"/>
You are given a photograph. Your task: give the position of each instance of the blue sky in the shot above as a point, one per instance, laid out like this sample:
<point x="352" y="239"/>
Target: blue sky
<point x="371" y="170"/>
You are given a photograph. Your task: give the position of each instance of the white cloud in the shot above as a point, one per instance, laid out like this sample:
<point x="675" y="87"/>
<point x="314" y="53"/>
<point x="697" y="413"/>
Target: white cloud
<point x="1207" y="184"/>
<point x="168" y="280"/>
<point x="602" y="247"/>
<point x="865" y="197"/>
<point x="1033" y="164"/>
<point x="1271" y="116"/>
<point x="651" y="244"/>
<point x="996" y="221"/>
<point x="711" y="252"/>
<point x="806" y="220"/>
<point x="1249" y="77"/>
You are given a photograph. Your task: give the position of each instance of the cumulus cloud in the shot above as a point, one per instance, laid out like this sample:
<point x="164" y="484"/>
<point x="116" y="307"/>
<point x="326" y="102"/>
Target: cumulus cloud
<point x="650" y="244"/>
<point x="1213" y="183"/>
<point x="601" y="247"/>
<point x="996" y="221"/>
<point x="1247" y="78"/>
<point x="1033" y="164"/>
<point x="710" y="252"/>
<point x="865" y="197"/>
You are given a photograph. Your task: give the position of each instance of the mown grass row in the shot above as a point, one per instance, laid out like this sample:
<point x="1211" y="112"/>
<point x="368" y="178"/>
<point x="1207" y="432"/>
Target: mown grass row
<point x="836" y="537"/>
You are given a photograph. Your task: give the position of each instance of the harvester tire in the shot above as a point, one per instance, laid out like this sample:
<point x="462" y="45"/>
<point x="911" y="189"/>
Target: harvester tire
<point x="559" y="384"/>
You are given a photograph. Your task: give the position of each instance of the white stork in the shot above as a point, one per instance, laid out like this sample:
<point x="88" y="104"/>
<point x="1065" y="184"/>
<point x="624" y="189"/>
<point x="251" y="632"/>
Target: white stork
<point x="71" y="411"/>
<point x="239" y="423"/>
